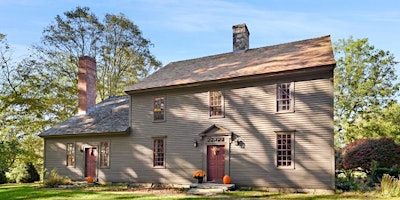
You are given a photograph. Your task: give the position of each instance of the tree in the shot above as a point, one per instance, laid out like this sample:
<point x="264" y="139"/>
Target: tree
<point x="21" y="115"/>
<point x="364" y="84"/>
<point x="122" y="54"/>
<point x="385" y="123"/>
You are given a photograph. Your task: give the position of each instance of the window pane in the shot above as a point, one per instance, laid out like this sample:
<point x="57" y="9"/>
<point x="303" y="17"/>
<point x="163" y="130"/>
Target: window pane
<point x="70" y="154"/>
<point x="158" y="152"/>
<point x="159" y="108"/>
<point x="104" y="154"/>
<point x="284" y="149"/>
<point x="215" y="103"/>
<point x="283" y="97"/>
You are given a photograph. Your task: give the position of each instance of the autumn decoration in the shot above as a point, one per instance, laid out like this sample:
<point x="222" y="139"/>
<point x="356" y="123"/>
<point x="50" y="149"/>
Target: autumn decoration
<point x="199" y="175"/>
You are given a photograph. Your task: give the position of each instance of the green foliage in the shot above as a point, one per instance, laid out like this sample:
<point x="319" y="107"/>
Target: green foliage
<point x="361" y="153"/>
<point x="365" y="83"/>
<point x="352" y="180"/>
<point x="385" y="123"/>
<point x="31" y="174"/>
<point x="52" y="179"/>
<point x="3" y="178"/>
<point x="390" y="186"/>
<point x="122" y="54"/>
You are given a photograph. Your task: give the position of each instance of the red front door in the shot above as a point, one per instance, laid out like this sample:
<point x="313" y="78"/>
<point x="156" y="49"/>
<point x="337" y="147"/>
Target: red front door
<point x="215" y="163"/>
<point x="91" y="162"/>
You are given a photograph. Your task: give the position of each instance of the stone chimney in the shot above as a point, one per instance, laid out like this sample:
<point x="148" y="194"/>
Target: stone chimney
<point x="86" y="84"/>
<point x="240" y="38"/>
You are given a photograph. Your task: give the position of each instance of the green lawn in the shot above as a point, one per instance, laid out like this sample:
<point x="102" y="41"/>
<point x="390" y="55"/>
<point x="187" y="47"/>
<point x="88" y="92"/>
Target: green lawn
<point x="32" y="191"/>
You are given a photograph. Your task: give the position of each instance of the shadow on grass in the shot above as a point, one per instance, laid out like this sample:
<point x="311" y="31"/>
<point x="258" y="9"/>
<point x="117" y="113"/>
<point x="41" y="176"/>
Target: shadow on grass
<point x="30" y="192"/>
<point x="33" y="192"/>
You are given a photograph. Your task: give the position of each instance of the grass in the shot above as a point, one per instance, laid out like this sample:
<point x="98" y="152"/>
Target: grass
<point x="33" y="192"/>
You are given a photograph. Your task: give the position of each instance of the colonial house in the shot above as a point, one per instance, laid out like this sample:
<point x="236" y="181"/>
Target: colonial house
<point x="264" y="116"/>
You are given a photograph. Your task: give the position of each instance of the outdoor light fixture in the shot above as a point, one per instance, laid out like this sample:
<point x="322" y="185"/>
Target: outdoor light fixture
<point x="195" y="143"/>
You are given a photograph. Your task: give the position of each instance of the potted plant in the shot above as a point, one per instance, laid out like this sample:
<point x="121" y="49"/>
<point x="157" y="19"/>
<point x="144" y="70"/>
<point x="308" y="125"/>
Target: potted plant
<point x="199" y="175"/>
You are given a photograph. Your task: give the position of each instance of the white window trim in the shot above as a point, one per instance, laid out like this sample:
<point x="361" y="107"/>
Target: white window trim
<point x="292" y="95"/>
<point x="293" y="141"/>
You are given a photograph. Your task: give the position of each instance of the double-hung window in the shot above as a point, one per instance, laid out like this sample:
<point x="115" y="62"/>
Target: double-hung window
<point x="285" y="149"/>
<point x="159" y="152"/>
<point x="70" y="154"/>
<point x="285" y="97"/>
<point x="216" y="104"/>
<point x="159" y="109"/>
<point x="104" y="154"/>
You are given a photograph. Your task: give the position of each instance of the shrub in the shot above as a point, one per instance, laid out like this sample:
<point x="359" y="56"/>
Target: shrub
<point x="3" y="178"/>
<point x="362" y="152"/>
<point x="390" y="186"/>
<point x="351" y="180"/>
<point x="52" y="179"/>
<point x="31" y="174"/>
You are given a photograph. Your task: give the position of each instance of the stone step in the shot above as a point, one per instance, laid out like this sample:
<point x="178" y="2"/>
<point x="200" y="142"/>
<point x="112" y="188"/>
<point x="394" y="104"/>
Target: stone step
<point x="209" y="188"/>
<point x="205" y="191"/>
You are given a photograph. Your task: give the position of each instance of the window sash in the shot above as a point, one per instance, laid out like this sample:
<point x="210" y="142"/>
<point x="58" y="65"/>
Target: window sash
<point x="104" y="154"/>
<point x="284" y="150"/>
<point x="159" y="109"/>
<point x="216" y="103"/>
<point x="284" y="97"/>
<point x="159" y="153"/>
<point x="70" y="154"/>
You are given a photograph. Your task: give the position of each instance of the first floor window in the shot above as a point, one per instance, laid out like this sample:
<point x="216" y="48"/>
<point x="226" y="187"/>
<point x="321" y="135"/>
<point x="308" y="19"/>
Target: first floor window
<point x="284" y="149"/>
<point x="70" y="154"/>
<point x="159" y="109"/>
<point x="104" y="154"/>
<point x="159" y="152"/>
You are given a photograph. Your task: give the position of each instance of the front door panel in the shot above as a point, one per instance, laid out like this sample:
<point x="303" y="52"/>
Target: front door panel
<point x="91" y="162"/>
<point x="215" y="163"/>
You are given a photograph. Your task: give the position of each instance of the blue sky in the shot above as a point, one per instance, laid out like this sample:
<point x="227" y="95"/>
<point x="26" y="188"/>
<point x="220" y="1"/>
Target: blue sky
<point x="184" y="29"/>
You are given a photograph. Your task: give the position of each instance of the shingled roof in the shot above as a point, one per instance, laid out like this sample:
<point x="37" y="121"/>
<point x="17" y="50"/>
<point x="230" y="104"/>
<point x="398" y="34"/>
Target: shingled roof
<point x="110" y="116"/>
<point x="265" y="60"/>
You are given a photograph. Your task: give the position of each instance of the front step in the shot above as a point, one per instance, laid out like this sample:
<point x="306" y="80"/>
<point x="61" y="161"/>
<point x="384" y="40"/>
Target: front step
<point x="209" y="188"/>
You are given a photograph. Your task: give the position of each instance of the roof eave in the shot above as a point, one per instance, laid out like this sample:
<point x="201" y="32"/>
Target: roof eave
<point x="234" y="79"/>
<point x="87" y="134"/>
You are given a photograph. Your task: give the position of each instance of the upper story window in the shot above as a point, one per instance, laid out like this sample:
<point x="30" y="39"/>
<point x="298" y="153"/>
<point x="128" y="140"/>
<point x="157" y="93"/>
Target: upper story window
<point x="158" y="152"/>
<point x="216" y="104"/>
<point x="104" y="154"/>
<point x="285" y="149"/>
<point x="285" y="97"/>
<point x="159" y="109"/>
<point x="70" y="154"/>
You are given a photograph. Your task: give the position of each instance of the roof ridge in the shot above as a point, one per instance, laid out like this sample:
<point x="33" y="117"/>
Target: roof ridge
<point x="251" y="49"/>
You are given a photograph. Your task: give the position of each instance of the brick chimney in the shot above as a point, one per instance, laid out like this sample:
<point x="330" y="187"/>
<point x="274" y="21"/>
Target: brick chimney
<point x="86" y="84"/>
<point x="240" y="38"/>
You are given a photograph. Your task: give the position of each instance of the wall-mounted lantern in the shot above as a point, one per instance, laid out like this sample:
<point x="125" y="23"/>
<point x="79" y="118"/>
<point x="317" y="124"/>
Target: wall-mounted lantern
<point x="195" y="143"/>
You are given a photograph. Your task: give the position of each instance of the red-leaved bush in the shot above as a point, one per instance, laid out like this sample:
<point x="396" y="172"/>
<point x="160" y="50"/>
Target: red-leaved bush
<point x="360" y="153"/>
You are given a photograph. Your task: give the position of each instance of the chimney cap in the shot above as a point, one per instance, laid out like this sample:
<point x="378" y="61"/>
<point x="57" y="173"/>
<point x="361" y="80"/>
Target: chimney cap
<point x="240" y="38"/>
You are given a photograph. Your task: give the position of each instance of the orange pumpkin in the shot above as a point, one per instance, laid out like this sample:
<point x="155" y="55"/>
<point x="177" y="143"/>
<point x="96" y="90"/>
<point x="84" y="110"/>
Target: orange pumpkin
<point x="226" y="179"/>
<point x="89" y="179"/>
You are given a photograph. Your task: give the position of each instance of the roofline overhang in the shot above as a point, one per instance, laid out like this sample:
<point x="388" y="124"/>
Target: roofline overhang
<point x="236" y="79"/>
<point x="89" y="134"/>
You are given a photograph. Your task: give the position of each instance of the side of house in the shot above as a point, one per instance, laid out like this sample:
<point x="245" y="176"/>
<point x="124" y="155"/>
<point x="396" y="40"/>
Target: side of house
<point x="248" y="133"/>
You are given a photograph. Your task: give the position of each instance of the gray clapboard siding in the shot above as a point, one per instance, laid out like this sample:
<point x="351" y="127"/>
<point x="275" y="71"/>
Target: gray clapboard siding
<point x="249" y="113"/>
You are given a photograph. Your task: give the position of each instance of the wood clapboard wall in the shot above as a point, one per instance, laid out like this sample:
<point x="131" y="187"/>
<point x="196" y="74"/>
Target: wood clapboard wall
<point x="250" y="113"/>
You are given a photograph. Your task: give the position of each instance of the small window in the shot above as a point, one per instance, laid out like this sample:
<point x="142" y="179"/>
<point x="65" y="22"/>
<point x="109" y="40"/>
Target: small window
<point x="70" y="154"/>
<point x="216" y="104"/>
<point x="104" y="154"/>
<point x="159" y="152"/>
<point x="284" y="149"/>
<point x="159" y="109"/>
<point x="285" y="97"/>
